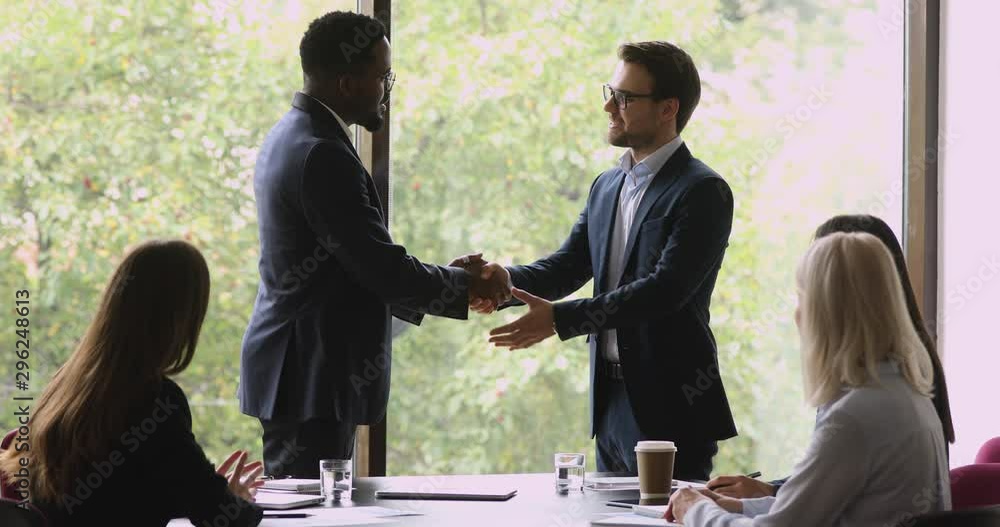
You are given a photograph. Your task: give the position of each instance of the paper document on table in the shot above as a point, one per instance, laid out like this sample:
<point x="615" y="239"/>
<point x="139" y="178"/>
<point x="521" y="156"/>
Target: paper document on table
<point x="680" y="484"/>
<point x="336" y="516"/>
<point x="385" y="512"/>
<point x="283" y="501"/>
<point x="629" y="519"/>
<point x="324" y="517"/>
<point x="650" y="511"/>
<point x="629" y="483"/>
<point x="292" y="484"/>
<point x="611" y="483"/>
<point x="346" y="521"/>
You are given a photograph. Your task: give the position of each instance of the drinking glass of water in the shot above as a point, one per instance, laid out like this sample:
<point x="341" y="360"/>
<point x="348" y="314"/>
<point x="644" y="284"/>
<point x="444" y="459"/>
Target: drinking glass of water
<point x="569" y="471"/>
<point x="335" y="479"/>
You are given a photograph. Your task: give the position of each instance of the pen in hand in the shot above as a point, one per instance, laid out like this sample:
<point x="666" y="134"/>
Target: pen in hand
<point x="752" y="475"/>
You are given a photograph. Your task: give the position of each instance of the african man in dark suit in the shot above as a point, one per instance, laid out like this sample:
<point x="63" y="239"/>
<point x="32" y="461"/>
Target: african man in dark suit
<point x="316" y="355"/>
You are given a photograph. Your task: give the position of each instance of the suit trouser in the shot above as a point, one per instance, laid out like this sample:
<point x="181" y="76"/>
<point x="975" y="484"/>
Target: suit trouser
<point x="295" y="448"/>
<point x="618" y="432"/>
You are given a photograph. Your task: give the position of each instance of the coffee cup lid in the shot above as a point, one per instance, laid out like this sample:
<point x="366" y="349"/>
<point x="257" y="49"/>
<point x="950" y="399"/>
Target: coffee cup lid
<point x="655" y="446"/>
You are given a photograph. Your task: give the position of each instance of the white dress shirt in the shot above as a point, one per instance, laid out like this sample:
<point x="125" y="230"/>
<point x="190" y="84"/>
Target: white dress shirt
<point x="350" y="136"/>
<point x="637" y="179"/>
<point x="876" y="459"/>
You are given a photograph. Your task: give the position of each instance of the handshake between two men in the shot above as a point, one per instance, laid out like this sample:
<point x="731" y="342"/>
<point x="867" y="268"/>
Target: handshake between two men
<point x="490" y="287"/>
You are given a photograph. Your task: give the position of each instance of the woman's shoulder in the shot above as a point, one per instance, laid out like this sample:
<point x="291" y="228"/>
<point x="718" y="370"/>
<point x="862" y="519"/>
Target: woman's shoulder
<point x="887" y="409"/>
<point x="866" y="402"/>
<point x="172" y="396"/>
<point x="165" y="401"/>
<point x="170" y="387"/>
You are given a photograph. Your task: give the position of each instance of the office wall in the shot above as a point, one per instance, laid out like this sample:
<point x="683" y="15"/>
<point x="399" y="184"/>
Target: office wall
<point x="969" y="231"/>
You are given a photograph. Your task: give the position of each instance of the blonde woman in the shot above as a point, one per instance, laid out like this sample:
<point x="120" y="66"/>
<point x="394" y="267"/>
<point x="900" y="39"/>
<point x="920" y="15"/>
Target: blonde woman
<point x="111" y="440"/>
<point x="877" y="455"/>
<point x="735" y="486"/>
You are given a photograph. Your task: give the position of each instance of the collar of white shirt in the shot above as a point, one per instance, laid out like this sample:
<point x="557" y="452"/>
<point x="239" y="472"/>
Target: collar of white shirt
<point x="347" y="131"/>
<point x="651" y="164"/>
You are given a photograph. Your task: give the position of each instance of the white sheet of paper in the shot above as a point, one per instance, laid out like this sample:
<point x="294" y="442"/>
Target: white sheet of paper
<point x="286" y="500"/>
<point x="613" y="480"/>
<point x="658" y="510"/>
<point x="384" y="512"/>
<point x="611" y="483"/>
<point x="629" y="519"/>
<point x="680" y="484"/>
<point x="629" y="483"/>
<point x="326" y="517"/>
<point x="323" y="522"/>
<point x="294" y="484"/>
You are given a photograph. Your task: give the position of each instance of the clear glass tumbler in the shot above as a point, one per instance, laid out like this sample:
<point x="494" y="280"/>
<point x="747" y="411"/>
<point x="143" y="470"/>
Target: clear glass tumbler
<point x="569" y="471"/>
<point x="335" y="479"/>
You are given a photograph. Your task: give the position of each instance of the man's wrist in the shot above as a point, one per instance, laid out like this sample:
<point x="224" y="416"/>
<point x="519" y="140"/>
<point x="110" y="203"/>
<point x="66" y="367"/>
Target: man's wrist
<point x="555" y="319"/>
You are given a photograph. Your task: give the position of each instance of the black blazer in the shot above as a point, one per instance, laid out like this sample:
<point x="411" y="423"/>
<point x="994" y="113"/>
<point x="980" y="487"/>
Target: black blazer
<point x="668" y="354"/>
<point x="318" y="341"/>
<point x="154" y="471"/>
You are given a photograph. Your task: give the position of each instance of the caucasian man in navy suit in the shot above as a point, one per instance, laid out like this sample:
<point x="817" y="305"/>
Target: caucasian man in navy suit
<point x="652" y="236"/>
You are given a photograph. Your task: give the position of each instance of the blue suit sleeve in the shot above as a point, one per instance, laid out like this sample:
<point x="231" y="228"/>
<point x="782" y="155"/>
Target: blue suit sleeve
<point x="335" y="199"/>
<point x="694" y="248"/>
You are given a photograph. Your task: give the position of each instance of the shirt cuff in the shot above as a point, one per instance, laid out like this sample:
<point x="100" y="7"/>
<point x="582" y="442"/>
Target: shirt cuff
<point x="703" y="512"/>
<point x="757" y="506"/>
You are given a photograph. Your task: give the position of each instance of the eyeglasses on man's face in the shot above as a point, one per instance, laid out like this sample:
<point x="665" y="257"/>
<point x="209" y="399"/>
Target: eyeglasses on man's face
<point x="622" y="98"/>
<point x="388" y="80"/>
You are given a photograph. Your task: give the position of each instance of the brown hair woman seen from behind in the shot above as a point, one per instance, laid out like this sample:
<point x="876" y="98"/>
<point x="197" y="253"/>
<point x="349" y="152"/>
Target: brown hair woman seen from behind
<point x="146" y="328"/>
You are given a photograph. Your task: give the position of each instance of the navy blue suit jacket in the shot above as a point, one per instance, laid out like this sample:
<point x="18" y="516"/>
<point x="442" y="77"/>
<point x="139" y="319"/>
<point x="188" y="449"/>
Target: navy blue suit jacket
<point x="660" y="308"/>
<point x="318" y="341"/>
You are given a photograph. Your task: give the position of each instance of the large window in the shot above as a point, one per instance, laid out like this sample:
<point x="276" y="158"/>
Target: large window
<point x="969" y="287"/>
<point x="498" y="131"/>
<point x="122" y="121"/>
<point x="128" y="120"/>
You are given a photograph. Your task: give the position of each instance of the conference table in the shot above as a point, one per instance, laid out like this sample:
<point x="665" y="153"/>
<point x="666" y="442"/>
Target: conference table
<point x="537" y="503"/>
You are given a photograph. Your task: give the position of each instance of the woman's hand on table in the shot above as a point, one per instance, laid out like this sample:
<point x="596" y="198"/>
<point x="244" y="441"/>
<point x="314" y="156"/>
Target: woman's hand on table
<point x="741" y="487"/>
<point x="682" y="501"/>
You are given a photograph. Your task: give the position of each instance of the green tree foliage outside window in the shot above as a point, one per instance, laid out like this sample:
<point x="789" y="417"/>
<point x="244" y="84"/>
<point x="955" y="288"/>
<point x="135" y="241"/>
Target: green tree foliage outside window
<point x="129" y="120"/>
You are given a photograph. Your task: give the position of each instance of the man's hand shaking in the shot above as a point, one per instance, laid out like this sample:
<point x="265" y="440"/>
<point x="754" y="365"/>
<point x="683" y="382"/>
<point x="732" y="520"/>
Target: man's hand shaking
<point x="490" y="287"/>
<point x="489" y="283"/>
<point x="533" y="327"/>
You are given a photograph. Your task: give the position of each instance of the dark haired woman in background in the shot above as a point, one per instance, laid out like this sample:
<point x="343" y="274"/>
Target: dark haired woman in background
<point x="744" y="487"/>
<point x="111" y="439"/>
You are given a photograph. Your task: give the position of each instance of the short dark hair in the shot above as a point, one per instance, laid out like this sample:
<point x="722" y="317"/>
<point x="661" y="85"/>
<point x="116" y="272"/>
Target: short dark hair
<point x="673" y="71"/>
<point x="339" y="42"/>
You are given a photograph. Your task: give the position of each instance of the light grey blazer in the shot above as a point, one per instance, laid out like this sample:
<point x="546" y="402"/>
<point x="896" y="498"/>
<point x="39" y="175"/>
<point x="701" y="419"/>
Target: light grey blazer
<point x="876" y="458"/>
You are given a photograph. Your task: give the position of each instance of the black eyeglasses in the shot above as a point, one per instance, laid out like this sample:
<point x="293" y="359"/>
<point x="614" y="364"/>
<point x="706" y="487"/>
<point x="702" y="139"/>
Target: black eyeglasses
<point x="388" y="80"/>
<point x="622" y="98"/>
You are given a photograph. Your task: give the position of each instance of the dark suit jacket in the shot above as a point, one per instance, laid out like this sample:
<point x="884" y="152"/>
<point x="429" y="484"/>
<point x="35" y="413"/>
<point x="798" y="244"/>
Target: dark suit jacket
<point x="154" y="471"/>
<point x="318" y="342"/>
<point x="660" y="308"/>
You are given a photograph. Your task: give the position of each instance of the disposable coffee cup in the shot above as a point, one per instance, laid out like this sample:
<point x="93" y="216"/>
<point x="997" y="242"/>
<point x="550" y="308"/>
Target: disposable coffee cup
<point x="656" y="468"/>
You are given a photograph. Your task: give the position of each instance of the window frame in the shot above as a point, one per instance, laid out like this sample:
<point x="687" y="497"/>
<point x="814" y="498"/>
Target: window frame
<point x="920" y="148"/>
<point x="373" y="147"/>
